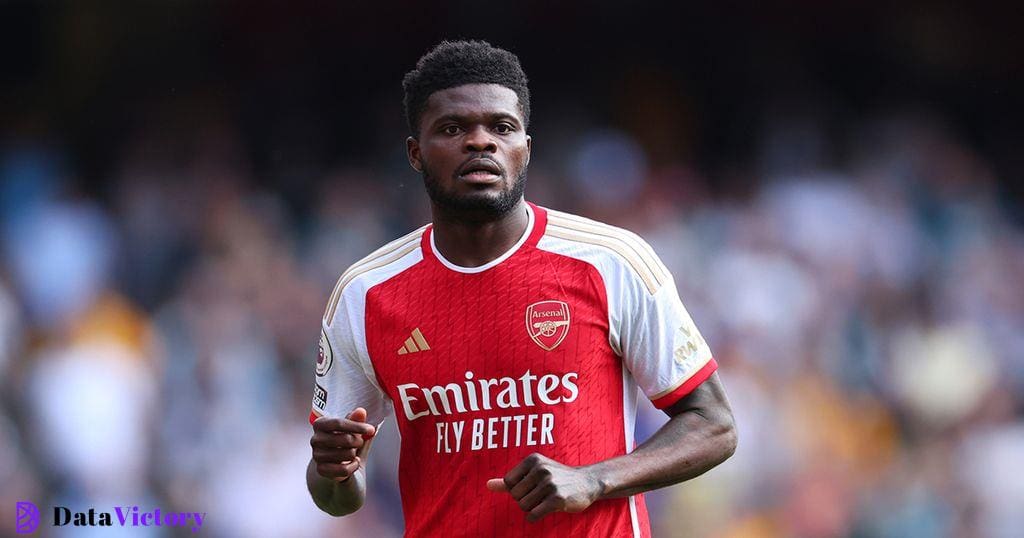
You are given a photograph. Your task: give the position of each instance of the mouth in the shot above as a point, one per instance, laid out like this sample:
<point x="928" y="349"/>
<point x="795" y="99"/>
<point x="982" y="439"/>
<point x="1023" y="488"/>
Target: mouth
<point x="480" y="171"/>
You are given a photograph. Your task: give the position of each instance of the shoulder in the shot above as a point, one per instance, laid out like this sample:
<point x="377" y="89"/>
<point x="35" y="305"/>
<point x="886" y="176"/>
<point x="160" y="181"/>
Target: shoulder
<point x="616" y="252"/>
<point x="381" y="265"/>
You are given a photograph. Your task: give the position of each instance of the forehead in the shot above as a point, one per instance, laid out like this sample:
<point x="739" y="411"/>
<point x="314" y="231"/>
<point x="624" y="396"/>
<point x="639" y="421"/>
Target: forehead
<point x="472" y="100"/>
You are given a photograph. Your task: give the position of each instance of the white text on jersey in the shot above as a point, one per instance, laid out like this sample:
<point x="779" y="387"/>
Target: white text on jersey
<point x="476" y="394"/>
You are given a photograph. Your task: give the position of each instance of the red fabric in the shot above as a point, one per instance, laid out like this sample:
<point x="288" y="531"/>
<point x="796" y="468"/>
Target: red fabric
<point x="701" y="376"/>
<point x="478" y="323"/>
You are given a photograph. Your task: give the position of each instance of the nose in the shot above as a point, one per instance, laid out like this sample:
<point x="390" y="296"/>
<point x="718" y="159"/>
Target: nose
<point x="478" y="140"/>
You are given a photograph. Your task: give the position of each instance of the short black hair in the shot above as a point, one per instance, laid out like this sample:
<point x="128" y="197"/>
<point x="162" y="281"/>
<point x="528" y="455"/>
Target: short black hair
<point x="454" y="63"/>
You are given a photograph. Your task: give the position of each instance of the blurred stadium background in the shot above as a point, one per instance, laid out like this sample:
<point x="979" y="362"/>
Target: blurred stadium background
<point x="837" y="189"/>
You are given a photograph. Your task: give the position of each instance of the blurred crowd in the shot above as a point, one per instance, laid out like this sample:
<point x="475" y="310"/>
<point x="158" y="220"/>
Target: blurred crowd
<point x="157" y="335"/>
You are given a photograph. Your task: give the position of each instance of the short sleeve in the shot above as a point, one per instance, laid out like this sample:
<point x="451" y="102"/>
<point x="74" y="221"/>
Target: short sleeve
<point x="659" y="342"/>
<point x="344" y="375"/>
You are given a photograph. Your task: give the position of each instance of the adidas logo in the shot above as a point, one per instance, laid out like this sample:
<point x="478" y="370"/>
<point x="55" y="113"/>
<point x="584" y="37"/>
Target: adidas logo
<point x="414" y="343"/>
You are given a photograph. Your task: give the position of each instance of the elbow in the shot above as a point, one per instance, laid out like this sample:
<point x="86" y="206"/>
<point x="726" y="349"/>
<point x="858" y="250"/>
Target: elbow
<point x="727" y="438"/>
<point x="339" y="511"/>
<point x="332" y="497"/>
<point x="729" y="441"/>
<point x="338" y="508"/>
<point x="730" y="438"/>
<point x="352" y="507"/>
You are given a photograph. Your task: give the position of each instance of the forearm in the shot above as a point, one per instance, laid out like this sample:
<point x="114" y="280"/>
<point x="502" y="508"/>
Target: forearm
<point x="686" y="447"/>
<point x="336" y="498"/>
<point x="700" y="435"/>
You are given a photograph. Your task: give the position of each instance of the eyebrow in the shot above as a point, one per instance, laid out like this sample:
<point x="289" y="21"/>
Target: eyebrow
<point x="460" y="118"/>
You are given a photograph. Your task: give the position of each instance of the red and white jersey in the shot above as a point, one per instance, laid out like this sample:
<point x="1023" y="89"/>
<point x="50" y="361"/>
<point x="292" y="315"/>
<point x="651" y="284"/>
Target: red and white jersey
<point x="542" y="350"/>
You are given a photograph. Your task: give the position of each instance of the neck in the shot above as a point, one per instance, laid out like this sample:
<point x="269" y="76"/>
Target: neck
<point x="472" y="243"/>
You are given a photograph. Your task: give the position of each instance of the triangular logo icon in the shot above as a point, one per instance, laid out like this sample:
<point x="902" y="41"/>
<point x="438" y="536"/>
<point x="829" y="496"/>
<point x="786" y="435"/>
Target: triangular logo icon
<point x="414" y="343"/>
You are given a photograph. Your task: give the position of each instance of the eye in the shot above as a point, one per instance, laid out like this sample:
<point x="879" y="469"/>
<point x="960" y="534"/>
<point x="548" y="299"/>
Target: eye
<point x="504" y="128"/>
<point x="451" y="130"/>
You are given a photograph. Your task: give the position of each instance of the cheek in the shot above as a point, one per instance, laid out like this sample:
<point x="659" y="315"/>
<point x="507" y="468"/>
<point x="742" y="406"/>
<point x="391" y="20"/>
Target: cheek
<point x="438" y="153"/>
<point x="519" y="154"/>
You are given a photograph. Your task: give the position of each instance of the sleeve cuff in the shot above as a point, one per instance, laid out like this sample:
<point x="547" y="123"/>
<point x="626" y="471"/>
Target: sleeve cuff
<point x="687" y="386"/>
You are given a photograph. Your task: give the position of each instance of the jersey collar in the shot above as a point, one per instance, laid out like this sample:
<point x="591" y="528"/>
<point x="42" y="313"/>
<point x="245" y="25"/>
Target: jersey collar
<point x="536" y="222"/>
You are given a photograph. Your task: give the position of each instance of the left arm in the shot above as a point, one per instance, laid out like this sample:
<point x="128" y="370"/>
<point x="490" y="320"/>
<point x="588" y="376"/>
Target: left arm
<point x="699" y="435"/>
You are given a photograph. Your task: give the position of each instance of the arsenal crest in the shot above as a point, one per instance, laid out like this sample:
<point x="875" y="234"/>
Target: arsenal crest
<point x="547" y="323"/>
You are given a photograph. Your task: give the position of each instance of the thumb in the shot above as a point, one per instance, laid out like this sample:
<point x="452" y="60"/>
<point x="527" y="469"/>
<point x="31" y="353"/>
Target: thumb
<point x="496" y="485"/>
<point x="359" y="415"/>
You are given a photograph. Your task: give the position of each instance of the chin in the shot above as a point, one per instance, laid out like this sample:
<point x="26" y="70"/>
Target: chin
<point x="475" y="202"/>
<point x="477" y="206"/>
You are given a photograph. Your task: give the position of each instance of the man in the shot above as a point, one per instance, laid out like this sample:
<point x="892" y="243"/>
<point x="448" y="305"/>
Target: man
<point x="509" y="341"/>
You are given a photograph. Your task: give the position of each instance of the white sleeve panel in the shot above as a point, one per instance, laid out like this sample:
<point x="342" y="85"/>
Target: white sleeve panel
<point x="661" y="345"/>
<point x="345" y="377"/>
<point x="648" y="325"/>
<point x="346" y="383"/>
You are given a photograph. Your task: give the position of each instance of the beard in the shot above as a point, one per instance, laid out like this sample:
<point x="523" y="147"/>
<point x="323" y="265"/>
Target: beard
<point x="477" y="206"/>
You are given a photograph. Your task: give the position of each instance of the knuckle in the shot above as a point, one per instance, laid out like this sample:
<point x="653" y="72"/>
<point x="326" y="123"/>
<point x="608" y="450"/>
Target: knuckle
<point x="533" y="458"/>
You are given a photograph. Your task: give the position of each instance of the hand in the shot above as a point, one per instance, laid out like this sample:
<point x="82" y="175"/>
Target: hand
<point x="541" y="485"/>
<point x="336" y="441"/>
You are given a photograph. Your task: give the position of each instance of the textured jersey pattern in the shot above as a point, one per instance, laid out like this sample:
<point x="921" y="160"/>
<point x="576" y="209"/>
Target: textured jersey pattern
<point x="541" y="352"/>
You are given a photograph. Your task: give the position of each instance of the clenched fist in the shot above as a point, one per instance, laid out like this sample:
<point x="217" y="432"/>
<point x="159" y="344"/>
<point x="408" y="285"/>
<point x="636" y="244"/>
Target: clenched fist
<point x="541" y="485"/>
<point x="336" y="443"/>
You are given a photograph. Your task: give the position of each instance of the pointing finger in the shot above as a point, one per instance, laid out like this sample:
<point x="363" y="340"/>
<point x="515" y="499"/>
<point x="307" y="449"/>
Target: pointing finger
<point x="335" y="424"/>
<point x="496" y="485"/>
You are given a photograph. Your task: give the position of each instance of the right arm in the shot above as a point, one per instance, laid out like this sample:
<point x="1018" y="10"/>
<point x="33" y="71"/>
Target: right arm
<point x="336" y="498"/>
<point x="335" y="475"/>
<point x="347" y="408"/>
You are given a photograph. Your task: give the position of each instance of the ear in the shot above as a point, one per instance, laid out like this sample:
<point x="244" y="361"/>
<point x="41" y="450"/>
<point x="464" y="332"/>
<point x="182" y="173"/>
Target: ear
<point x="529" y="147"/>
<point x="412" y="151"/>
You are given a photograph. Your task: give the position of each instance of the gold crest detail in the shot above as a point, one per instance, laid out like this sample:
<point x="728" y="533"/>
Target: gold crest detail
<point x="547" y="323"/>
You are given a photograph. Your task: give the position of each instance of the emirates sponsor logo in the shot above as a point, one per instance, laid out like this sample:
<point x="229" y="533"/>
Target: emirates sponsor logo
<point x="527" y="390"/>
<point x="512" y="393"/>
